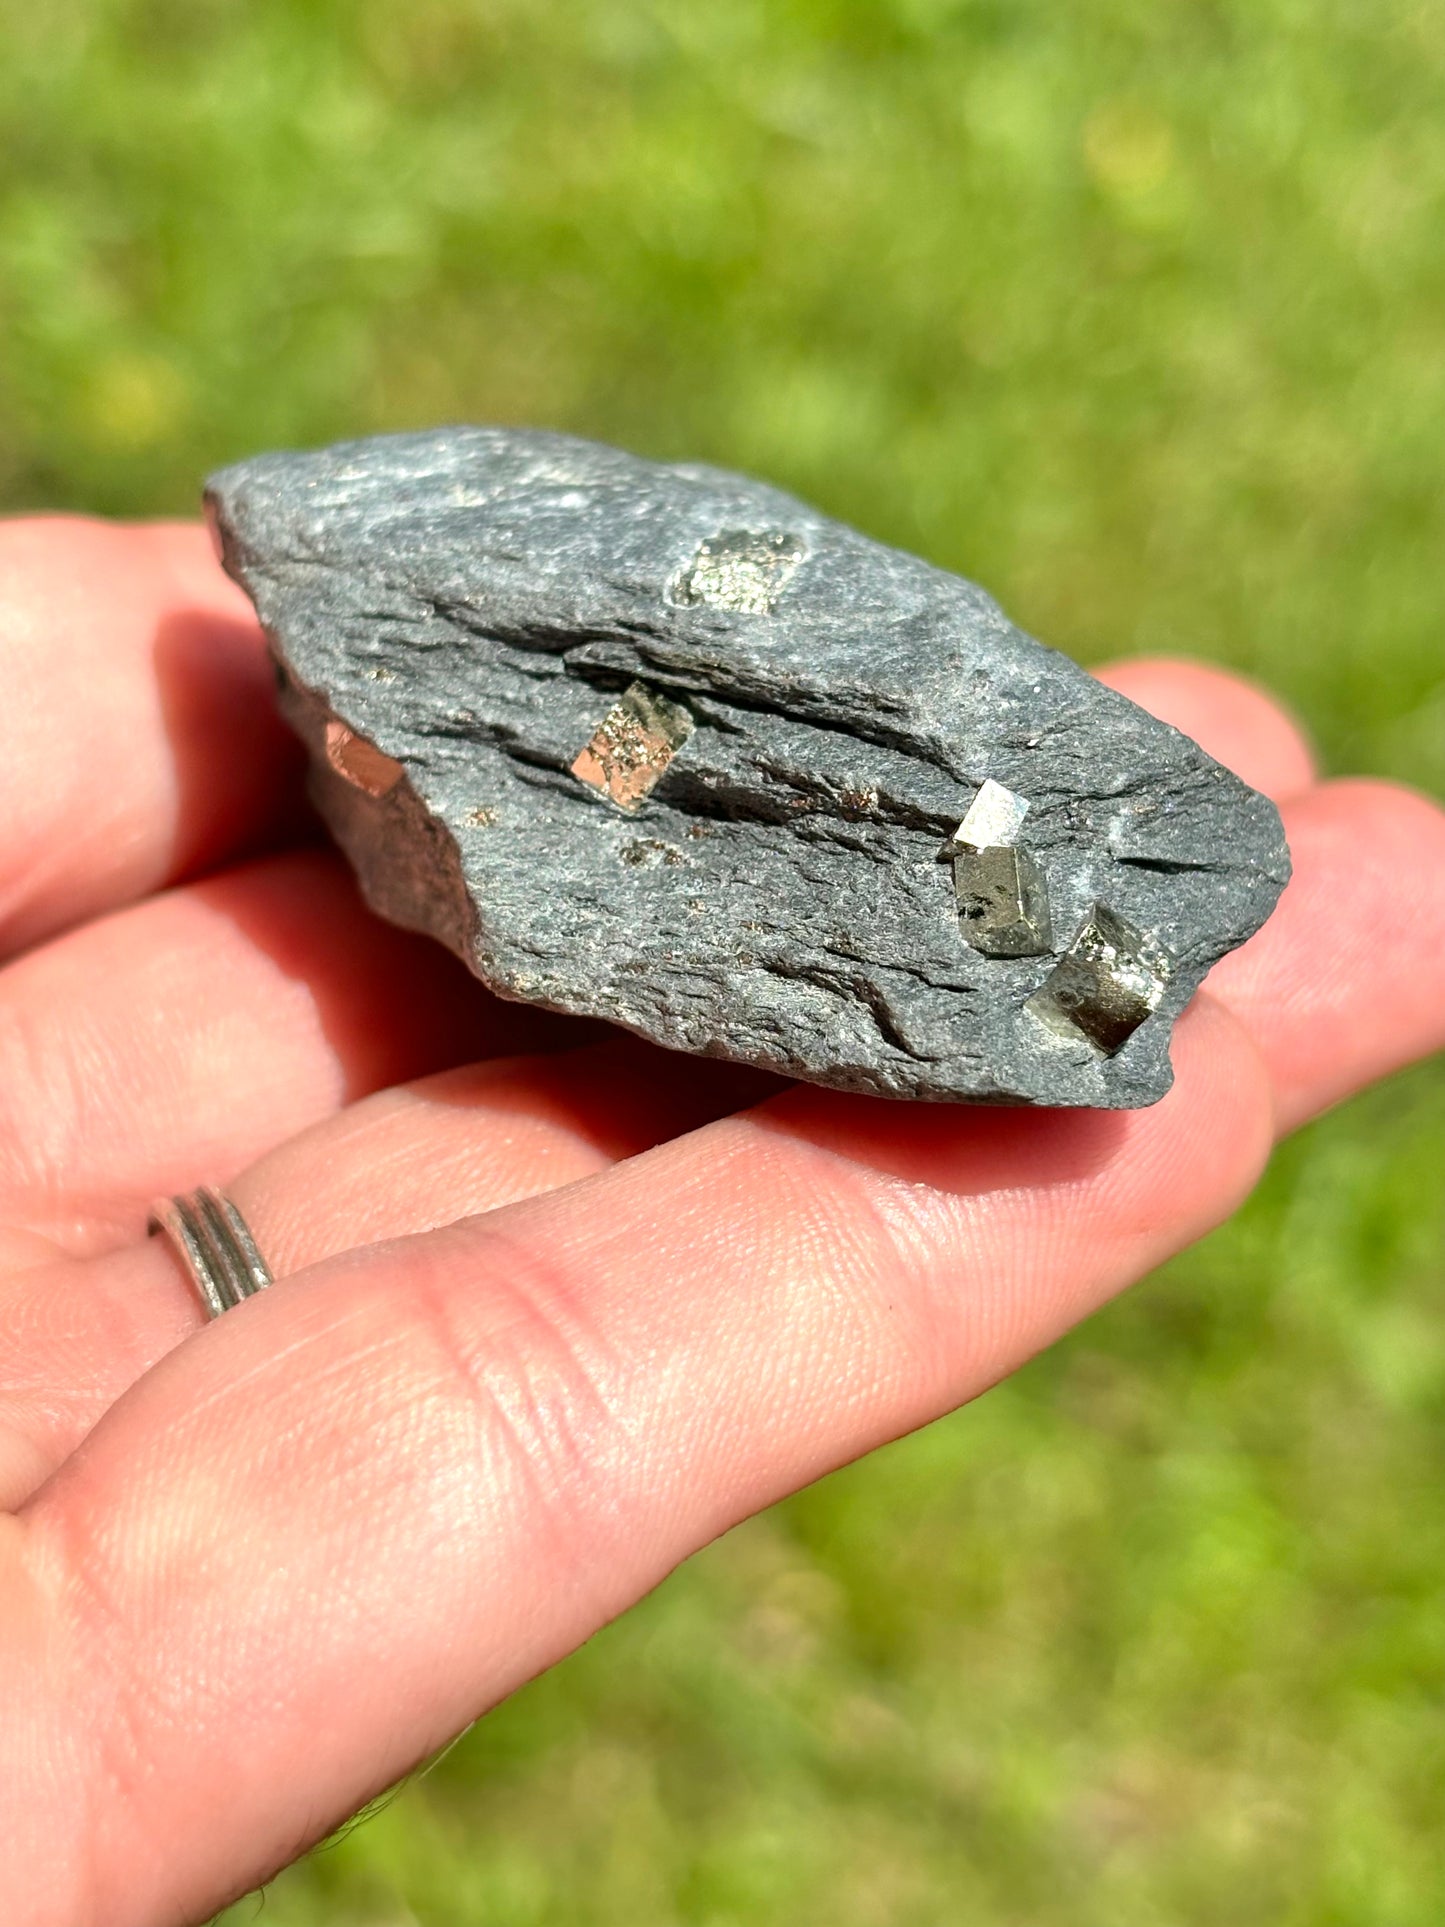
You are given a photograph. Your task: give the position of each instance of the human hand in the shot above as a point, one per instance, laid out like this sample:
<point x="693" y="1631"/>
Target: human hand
<point x="251" y="1573"/>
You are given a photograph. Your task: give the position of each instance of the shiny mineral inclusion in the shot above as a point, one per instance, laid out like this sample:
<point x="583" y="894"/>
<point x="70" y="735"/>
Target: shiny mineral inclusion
<point x="742" y="569"/>
<point x="1111" y="977"/>
<point x="993" y="820"/>
<point x="632" y="746"/>
<point x="1003" y="903"/>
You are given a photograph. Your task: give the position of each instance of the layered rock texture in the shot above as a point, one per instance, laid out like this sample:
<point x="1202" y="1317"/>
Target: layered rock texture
<point x="662" y="745"/>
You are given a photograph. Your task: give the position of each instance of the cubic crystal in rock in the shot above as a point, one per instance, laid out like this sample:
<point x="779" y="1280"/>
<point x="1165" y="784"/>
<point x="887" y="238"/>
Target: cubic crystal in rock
<point x="632" y="746"/>
<point x="1108" y="981"/>
<point x="742" y="569"/>
<point x="1003" y="903"/>
<point x="992" y="822"/>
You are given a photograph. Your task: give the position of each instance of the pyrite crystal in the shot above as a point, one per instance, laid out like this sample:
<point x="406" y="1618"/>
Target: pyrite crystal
<point x="1003" y="902"/>
<point x="632" y="746"/>
<point x="666" y="746"/>
<point x="1107" y="982"/>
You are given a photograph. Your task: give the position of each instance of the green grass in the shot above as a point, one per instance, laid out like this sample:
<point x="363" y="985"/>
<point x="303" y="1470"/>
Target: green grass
<point x="1133" y="311"/>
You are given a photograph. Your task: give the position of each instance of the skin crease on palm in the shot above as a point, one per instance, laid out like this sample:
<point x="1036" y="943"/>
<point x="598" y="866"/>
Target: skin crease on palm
<point x="554" y="1308"/>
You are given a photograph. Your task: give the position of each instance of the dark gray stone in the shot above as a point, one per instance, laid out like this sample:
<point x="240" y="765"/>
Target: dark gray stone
<point x="665" y="746"/>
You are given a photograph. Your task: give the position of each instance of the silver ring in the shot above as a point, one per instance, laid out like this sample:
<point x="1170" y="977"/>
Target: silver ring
<point x="214" y="1243"/>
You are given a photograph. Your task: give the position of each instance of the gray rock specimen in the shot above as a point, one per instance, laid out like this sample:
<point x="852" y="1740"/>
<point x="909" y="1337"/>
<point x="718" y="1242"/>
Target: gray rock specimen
<point x="665" y="746"/>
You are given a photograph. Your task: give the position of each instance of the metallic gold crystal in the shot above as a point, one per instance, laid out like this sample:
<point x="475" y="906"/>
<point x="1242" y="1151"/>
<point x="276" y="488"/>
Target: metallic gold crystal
<point x="993" y="821"/>
<point x="742" y="569"/>
<point x="632" y="746"/>
<point x="1111" y="977"/>
<point x="361" y="762"/>
<point x="1003" y="903"/>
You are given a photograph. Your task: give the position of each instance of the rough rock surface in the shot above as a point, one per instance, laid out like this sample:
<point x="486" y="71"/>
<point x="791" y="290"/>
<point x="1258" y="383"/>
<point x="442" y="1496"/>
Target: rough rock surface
<point x="455" y="614"/>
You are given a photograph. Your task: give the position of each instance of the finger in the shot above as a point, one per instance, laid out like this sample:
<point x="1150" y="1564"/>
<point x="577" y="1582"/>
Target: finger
<point x="142" y="743"/>
<point x="471" y="1140"/>
<point x="74" y="1335"/>
<point x="1238" y="723"/>
<point x="446" y="1461"/>
<point x="177" y="1040"/>
<point x="1346" y="981"/>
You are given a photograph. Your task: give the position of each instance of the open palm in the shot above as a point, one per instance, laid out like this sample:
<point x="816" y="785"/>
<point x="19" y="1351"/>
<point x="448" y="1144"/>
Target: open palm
<point x="555" y="1308"/>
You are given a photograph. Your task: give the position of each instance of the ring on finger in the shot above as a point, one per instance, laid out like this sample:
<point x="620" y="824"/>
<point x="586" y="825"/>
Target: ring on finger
<point x="215" y="1245"/>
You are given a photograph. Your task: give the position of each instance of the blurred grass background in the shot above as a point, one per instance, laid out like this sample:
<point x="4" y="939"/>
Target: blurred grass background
<point x="1134" y="312"/>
